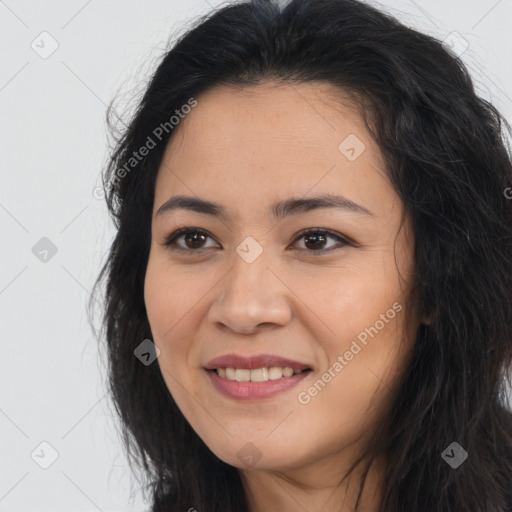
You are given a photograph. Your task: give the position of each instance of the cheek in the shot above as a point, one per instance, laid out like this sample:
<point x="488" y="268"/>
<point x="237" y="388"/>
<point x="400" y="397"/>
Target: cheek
<point x="168" y="296"/>
<point x="164" y="308"/>
<point x="366" y="317"/>
<point x="172" y="309"/>
<point x="357" y="384"/>
<point x="154" y="292"/>
<point x="356" y="301"/>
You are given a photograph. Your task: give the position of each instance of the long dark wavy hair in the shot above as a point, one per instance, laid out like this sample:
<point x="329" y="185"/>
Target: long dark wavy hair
<point x="449" y="160"/>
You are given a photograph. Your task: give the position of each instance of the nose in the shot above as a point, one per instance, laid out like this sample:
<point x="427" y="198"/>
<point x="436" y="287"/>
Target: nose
<point x="251" y="296"/>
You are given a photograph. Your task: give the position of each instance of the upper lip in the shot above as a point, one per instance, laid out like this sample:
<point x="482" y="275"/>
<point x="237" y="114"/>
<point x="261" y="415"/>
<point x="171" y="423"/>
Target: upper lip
<point x="253" y="362"/>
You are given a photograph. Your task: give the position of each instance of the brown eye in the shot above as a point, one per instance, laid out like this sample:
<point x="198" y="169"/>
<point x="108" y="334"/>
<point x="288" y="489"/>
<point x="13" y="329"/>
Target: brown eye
<point x="194" y="240"/>
<point x="316" y="239"/>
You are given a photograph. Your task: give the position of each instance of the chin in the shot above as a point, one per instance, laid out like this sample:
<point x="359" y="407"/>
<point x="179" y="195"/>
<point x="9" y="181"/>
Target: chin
<point x="256" y="455"/>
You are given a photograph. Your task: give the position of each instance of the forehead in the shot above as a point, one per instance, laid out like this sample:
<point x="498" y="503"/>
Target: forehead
<point x="306" y="117"/>
<point x="272" y="140"/>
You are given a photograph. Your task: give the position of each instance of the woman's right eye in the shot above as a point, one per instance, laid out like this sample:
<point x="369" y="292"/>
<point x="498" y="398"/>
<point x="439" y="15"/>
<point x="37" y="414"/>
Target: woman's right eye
<point x="192" y="236"/>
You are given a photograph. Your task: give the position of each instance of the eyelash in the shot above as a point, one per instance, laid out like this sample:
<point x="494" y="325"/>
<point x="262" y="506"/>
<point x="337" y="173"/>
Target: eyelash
<point x="170" y="241"/>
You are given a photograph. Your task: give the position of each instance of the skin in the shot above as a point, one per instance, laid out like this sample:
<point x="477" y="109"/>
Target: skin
<point x="246" y="148"/>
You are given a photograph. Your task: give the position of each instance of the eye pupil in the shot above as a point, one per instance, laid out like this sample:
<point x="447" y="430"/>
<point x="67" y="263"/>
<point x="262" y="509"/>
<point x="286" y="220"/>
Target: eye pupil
<point x="194" y="236"/>
<point x="315" y="236"/>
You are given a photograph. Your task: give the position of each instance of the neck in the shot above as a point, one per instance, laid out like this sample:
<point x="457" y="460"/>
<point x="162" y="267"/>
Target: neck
<point x="314" y="488"/>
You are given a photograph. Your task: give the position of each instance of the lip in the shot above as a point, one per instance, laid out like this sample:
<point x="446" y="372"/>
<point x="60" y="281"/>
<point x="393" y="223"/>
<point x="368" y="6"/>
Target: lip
<point x="254" y="362"/>
<point x="253" y="390"/>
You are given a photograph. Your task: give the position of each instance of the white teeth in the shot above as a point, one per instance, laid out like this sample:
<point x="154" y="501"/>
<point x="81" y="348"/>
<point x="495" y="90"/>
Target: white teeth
<point x="242" y="375"/>
<point x="287" y="372"/>
<point x="275" y="373"/>
<point x="259" y="375"/>
<point x="256" y="375"/>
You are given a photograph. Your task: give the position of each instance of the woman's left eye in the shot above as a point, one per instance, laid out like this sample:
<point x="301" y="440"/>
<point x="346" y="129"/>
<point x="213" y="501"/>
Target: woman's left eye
<point x="314" y="238"/>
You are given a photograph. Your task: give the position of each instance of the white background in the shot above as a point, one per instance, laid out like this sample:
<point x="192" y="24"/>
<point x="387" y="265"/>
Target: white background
<point x="53" y="145"/>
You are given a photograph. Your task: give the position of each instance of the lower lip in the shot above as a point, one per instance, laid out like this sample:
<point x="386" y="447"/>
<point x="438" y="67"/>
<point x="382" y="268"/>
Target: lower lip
<point x="254" y="390"/>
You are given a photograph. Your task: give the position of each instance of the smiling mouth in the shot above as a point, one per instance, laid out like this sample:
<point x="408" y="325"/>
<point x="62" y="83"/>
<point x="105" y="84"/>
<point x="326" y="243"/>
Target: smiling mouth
<point x="257" y="374"/>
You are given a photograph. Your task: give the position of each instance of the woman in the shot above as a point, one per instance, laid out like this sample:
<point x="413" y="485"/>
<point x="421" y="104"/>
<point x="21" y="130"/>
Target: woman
<point x="308" y="300"/>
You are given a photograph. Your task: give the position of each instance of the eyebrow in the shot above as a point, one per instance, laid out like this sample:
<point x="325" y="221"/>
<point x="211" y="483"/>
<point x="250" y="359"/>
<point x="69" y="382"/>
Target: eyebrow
<point x="278" y="210"/>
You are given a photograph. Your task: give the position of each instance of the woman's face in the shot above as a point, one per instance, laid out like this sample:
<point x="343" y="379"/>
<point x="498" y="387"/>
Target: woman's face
<point x="254" y="287"/>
